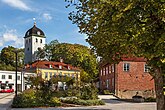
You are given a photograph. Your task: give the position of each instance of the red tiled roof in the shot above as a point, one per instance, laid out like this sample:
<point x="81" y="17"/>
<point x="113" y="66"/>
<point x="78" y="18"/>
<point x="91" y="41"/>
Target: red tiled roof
<point x="54" y="65"/>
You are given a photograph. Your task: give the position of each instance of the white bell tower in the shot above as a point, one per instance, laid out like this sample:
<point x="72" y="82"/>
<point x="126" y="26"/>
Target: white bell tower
<point x="34" y="39"/>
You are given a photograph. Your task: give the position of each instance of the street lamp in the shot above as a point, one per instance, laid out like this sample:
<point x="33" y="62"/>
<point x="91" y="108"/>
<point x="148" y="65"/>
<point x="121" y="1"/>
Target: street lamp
<point x="16" y="51"/>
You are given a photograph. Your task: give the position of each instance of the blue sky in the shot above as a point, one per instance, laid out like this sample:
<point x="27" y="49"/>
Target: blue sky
<point x="16" y="17"/>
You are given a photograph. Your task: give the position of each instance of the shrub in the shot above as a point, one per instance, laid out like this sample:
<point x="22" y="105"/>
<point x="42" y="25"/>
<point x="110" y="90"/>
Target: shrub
<point x="150" y="99"/>
<point x="54" y="101"/>
<point x="88" y="92"/>
<point x="107" y="92"/>
<point x="33" y="98"/>
<point x="25" y="99"/>
<point x="83" y="102"/>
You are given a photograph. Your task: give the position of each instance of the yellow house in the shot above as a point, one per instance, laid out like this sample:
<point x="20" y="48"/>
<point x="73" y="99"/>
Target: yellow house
<point x="49" y="69"/>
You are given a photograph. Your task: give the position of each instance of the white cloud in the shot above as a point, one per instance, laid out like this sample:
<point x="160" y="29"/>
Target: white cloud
<point x="47" y="16"/>
<point x="17" y="4"/>
<point x="11" y="38"/>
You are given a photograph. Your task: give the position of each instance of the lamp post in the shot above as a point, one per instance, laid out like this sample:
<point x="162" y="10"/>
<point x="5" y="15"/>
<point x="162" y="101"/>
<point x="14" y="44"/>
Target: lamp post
<point x="16" y="51"/>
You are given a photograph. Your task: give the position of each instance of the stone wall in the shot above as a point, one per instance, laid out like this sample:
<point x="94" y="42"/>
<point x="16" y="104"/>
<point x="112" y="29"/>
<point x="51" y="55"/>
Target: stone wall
<point x="130" y="94"/>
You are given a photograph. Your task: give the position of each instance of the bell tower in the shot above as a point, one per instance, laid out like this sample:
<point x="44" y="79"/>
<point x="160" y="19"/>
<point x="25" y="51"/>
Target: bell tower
<point x="34" y="39"/>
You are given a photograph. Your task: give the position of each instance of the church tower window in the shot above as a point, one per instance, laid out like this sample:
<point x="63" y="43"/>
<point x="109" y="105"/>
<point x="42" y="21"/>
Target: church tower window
<point x="36" y="40"/>
<point x="40" y="40"/>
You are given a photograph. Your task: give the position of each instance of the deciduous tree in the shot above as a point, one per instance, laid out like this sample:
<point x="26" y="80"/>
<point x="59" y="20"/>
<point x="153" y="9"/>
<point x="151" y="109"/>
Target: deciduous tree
<point x="131" y="27"/>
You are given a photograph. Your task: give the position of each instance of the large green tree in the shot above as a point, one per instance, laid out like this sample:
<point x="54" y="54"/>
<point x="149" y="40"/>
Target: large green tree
<point x="131" y="27"/>
<point x="8" y="58"/>
<point x="79" y="56"/>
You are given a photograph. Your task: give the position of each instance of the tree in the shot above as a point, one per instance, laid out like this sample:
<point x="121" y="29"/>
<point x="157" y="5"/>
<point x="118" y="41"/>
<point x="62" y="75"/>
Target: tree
<point x="132" y="27"/>
<point x="8" y="58"/>
<point x="79" y="56"/>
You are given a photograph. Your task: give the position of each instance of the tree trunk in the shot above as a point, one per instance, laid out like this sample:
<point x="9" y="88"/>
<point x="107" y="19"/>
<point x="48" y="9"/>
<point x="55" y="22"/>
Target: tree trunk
<point x="159" y="89"/>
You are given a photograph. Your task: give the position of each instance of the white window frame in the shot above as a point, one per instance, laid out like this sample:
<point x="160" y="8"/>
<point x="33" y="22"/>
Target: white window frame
<point x="101" y="72"/>
<point x="146" y="68"/>
<point x="107" y="70"/>
<point x="112" y="68"/>
<point x="126" y="67"/>
<point x="4" y="77"/>
<point x="11" y="77"/>
<point x="18" y="77"/>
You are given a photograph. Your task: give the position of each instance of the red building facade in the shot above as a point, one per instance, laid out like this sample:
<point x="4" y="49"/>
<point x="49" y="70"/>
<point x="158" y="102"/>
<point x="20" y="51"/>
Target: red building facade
<point x="128" y="78"/>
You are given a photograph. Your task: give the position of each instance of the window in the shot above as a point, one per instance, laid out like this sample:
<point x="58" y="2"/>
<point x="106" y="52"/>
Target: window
<point x="3" y="76"/>
<point x="107" y="83"/>
<point x="68" y="67"/>
<point x="36" y="40"/>
<point x="68" y="75"/>
<point x="29" y="40"/>
<point x="28" y="49"/>
<point x="72" y="75"/>
<point x="10" y="77"/>
<point x="46" y="75"/>
<point x="38" y="32"/>
<point x="50" y="74"/>
<point x="101" y="72"/>
<point x="110" y="69"/>
<point x="54" y="74"/>
<point x="107" y="70"/>
<point x="126" y="67"/>
<point x="113" y="68"/>
<point x="18" y="78"/>
<point x="146" y="68"/>
<point x="26" y="41"/>
<point x="50" y="66"/>
<point x="60" y="67"/>
<point x="28" y="33"/>
<point x="40" y="40"/>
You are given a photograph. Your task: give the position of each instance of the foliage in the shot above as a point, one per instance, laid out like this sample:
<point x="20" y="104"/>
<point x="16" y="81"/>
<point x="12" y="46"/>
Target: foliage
<point x="55" y="101"/>
<point x="33" y="98"/>
<point x="88" y="91"/>
<point x="107" y="92"/>
<point x="150" y="99"/>
<point x="83" y="102"/>
<point x="79" y="56"/>
<point x="130" y="28"/>
<point x="7" y="58"/>
<point x="25" y="99"/>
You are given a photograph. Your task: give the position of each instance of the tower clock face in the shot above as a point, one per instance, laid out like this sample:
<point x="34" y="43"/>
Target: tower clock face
<point x="38" y="32"/>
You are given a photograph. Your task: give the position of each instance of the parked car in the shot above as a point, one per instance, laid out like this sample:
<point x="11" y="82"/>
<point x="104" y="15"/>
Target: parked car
<point x="6" y="90"/>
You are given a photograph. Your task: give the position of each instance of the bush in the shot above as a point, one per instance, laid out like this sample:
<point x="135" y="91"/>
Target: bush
<point x="150" y="99"/>
<point x="26" y="99"/>
<point x="33" y="98"/>
<point x="83" y="102"/>
<point x="88" y="92"/>
<point x="107" y="92"/>
<point x="54" y="101"/>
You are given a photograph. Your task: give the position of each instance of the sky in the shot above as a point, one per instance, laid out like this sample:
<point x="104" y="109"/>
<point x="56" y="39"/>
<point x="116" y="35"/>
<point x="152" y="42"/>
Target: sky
<point x="51" y="16"/>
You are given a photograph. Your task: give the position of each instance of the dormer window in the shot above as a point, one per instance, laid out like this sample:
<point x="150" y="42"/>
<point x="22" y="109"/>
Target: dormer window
<point x="68" y="67"/>
<point x="28" y="33"/>
<point x="60" y="67"/>
<point x="50" y="66"/>
<point x="38" y="32"/>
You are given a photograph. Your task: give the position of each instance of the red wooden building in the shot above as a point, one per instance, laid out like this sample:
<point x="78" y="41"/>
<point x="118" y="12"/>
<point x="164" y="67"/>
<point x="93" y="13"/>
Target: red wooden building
<point x="127" y="78"/>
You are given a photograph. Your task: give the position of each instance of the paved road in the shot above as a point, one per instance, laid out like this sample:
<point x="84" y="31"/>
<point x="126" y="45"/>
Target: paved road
<point x="111" y="104"/>
<point x="6" y="100"/>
